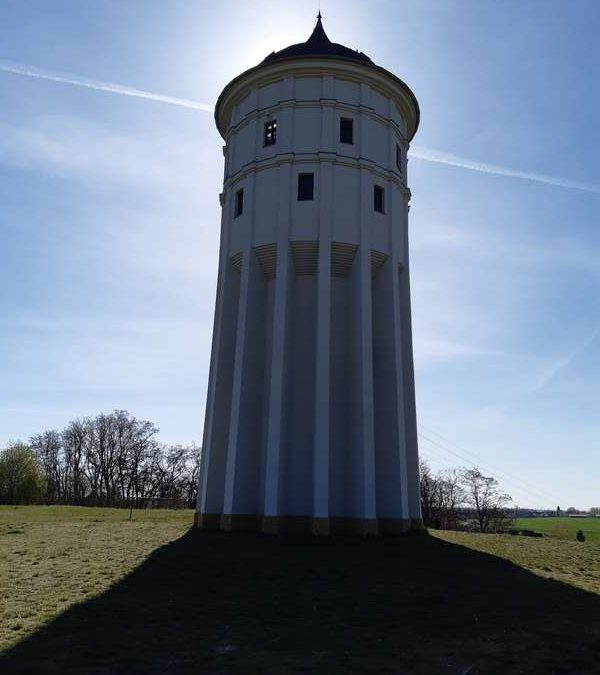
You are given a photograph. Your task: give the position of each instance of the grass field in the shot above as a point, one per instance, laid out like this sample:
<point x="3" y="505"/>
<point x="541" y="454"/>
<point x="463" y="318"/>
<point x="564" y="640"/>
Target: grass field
<point x="86" y="591"/>
<point x="54" y="556"/>
<point x="563" y="528"/>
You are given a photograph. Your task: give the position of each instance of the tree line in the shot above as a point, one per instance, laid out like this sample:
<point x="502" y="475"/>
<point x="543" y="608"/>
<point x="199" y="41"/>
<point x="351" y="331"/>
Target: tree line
<point x="112" y="459"/>
<point x="455" y="499"/>
<point x="116" y="460"/>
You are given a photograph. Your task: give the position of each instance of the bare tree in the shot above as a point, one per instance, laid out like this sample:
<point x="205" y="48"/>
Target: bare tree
<point x="74" y="439"/>
<point x="92" y="467"/>
<point x="452" y="496"/>
<point x="136" y="443"/>
<point x="191" y="489"/>
<point x="48" y="450"/>
<point x="145" y="479"/>
<point x="114" y="459"/>
<point x="483" y="494"/>
<point x="171" y="471"/>
<point x="105" y="445"/>
<point x="441" y="496"/>
<point x="430" y="494"/>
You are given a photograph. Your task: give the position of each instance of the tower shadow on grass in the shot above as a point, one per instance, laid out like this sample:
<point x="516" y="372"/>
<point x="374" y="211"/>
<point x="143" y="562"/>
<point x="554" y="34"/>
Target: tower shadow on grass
<point x="247" y="604"/>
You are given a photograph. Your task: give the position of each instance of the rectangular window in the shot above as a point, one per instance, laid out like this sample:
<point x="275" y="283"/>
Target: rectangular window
<point x="346" y="130"/>
<point x="399" y="158"/>
<point x="270" y="132"/>
<point x="306" y="185"/>
<point x="378" y="198"/>
<point x="239" y="203"/>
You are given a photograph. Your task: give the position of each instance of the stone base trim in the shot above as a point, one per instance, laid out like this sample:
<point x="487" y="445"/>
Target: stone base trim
<point x="207" y="521"/>
<point x="240" y="523"/>
<point x="305" y="524"/>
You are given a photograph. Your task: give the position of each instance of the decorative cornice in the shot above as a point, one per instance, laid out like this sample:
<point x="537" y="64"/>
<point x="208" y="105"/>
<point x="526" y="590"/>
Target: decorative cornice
<point x="318" y="157"/>
<point x="376" y="77"/>
<point x="362" y="109"/>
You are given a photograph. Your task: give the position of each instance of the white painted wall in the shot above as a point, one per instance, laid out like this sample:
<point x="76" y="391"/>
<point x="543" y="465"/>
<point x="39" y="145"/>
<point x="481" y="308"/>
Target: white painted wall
<point x="311" y="396"/>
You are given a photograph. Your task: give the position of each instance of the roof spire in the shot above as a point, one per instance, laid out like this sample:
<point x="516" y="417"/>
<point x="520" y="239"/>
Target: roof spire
<point x="318" y="44"/>
<point x="318" y="35"/>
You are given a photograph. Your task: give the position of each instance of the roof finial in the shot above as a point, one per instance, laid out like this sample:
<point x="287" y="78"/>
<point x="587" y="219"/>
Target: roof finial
<point x="319" y="17"/>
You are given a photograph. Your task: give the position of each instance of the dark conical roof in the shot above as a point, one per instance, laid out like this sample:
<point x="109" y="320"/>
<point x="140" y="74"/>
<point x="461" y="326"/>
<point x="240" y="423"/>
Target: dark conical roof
<point x="318" y="44"/>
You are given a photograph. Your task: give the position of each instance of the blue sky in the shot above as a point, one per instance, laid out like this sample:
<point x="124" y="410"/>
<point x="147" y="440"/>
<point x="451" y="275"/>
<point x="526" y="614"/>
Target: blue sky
<point x="109" y="217"/>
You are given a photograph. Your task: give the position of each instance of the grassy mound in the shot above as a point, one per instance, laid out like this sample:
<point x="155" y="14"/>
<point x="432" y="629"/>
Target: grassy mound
<point x="86" y="591"/>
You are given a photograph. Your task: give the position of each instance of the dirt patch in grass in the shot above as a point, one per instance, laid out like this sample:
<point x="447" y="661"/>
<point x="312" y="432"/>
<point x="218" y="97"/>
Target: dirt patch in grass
<point x="155" y="598"/>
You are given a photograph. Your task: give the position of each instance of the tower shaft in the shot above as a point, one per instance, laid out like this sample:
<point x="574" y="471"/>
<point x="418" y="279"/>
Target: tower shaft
<point x="310" y="419"/>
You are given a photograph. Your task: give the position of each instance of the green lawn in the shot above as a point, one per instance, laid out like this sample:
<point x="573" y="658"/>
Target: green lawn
<point x="563" y="528"/>
<point x="52" y="557"/>
<point x="85" y="591"/>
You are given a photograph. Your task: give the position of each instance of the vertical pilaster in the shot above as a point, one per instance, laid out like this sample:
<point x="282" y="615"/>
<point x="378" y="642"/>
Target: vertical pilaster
<point x="366" y="354"/>
<point x="234" y="478"/>
<point x="285" y="130"/>
<point x="275" y="432"/>
<point x="323" y="328"/>
<point x="327" y="115"/>
<point x="362" y="140"/>
<point x="207" y="441"/>
<point x="238" y="368"/>
<point x="411" y="469"/>
<point x="398" y="260"/>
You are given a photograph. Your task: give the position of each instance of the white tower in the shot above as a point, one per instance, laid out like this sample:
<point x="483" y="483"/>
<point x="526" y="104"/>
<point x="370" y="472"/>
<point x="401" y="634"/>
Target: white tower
<point x="310" y="417"/>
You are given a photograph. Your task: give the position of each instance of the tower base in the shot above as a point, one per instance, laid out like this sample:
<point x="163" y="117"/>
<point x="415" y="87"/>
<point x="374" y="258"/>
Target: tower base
<point x="305" y="524"/>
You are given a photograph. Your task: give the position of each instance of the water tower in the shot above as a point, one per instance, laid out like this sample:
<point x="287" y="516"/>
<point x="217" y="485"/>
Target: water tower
<point x="310" y="418"/>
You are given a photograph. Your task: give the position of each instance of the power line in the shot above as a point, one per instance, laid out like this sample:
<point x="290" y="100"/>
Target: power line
<point x="496" y="467"/>
<point x="520" y="488"/>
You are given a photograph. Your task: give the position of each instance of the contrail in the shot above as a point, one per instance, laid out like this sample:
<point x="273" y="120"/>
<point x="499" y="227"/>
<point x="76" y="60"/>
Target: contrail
<point x="417" y="152"/>
<point x="438" y="157"/>
<point x="67" y="78"/>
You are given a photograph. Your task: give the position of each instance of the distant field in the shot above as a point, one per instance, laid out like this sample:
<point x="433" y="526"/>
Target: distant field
<point x="571" y="562"/>
<point x="563" y="528"/>
<point x="86" y="591"/>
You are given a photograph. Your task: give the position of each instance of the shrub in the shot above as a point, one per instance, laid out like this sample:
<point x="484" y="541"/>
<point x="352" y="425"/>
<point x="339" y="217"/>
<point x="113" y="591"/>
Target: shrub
<point x="21" y="480"/>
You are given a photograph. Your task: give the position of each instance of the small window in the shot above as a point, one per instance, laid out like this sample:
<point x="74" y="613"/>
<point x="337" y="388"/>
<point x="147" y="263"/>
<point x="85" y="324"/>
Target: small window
<point x="378" y="198"/>
<point x="270" y="132"/>
<point x="239" y="203"/>
<point x="306" y="184"/>
<point x="399" y="158"/>
<point x="346" y="130"/>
